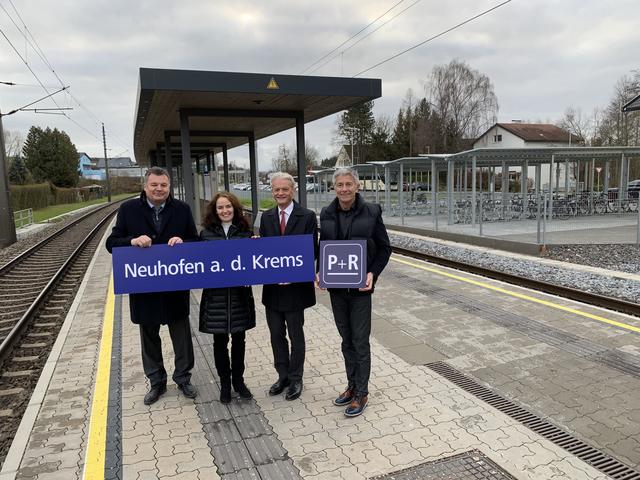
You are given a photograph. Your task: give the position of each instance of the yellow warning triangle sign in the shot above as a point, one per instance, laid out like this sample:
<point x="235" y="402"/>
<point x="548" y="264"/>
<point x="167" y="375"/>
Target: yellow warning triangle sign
<point x="273" y="85"/>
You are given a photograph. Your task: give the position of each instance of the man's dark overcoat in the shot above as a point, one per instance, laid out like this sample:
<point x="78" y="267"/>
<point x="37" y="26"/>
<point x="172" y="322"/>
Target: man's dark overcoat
<point x="135" y="218"/>
<point x="295" y="296"/>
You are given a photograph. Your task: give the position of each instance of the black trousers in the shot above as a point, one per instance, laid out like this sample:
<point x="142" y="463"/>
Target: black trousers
<point x="234" y="369"/>
<point x="352" y="314"/>
<point x="180" y="333"/>
<point x="288" y="364"/>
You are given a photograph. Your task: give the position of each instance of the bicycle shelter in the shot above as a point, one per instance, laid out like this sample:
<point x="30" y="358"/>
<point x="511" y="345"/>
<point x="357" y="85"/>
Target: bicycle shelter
<point x="558" y="172"/>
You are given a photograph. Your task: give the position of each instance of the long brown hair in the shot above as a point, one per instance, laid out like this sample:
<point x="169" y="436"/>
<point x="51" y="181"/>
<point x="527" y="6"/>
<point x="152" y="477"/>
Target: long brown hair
<point x="211" y="217"/>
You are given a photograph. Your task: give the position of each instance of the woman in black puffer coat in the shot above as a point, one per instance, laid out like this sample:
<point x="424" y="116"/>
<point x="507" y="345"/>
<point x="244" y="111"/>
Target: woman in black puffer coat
<point x="227" y="311"/>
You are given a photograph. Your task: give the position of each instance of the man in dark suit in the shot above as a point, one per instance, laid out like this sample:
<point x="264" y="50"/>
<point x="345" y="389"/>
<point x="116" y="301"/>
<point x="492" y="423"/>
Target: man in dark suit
<point x="285" y="303"/>
<point x="157" y="218"/>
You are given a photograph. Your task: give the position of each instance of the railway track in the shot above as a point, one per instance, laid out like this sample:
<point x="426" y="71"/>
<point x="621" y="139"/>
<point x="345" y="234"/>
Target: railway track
<point x="36" y="290"/>
<point x="603" y="301"/>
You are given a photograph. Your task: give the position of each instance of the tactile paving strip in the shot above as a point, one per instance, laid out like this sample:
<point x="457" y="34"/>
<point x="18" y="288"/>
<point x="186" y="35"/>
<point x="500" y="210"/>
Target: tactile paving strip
<point x="243" y="445"/>
<point x="472" y="465"/>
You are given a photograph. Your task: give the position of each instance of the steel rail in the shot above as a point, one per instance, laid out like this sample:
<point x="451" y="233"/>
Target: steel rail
<point x="7" y="344"/>
<point x="595" y="299"/>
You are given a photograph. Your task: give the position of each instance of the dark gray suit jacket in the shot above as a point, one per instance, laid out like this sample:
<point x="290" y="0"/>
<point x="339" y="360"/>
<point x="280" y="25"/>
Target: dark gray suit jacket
<point x="296" y="296"/>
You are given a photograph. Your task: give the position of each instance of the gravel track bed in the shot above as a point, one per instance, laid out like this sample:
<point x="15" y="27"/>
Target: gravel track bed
<point x="12" y="251"/>
<point x="612" y="257"/>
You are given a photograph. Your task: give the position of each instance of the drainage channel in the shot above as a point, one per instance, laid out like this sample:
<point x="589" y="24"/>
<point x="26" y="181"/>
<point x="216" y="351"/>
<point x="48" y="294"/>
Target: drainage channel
<point x="590" y="455"/>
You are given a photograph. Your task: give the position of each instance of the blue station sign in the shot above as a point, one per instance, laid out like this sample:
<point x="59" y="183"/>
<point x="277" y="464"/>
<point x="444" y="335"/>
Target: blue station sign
<point x="343" y="264"/>
<point x="212" y="264"/>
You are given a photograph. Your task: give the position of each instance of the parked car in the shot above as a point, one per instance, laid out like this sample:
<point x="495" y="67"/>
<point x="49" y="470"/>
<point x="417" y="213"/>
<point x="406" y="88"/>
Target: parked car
<point x="633" y="190"/>
<point x="419" y="186"/>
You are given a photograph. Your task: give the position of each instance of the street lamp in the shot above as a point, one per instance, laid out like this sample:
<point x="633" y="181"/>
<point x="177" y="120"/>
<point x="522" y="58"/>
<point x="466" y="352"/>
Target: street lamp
<point x="598" y="169"/>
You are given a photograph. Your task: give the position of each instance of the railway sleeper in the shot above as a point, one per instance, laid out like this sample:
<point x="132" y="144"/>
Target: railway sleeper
<point x="30" y="358"/>
<point x="33" y="345"/>
<point x="18" y="373"/>
<point x="11" y="391"/>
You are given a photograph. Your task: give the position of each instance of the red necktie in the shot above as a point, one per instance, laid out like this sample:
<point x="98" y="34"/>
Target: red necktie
<point x="283" y="222"/>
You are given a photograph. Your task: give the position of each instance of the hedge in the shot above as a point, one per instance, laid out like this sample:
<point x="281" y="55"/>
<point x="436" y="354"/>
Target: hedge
<point x="30" y="196"/>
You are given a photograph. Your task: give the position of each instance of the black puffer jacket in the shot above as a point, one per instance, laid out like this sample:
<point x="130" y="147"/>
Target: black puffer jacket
<point x="226" y="310"/>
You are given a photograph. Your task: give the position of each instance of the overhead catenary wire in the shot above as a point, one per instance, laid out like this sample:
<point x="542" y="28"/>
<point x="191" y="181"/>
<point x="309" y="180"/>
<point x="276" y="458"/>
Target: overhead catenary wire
<point x="34" y="102"/>
<point x="366" y="36"/>
<point x="351" y="37"/>
<point x="45" y="88"/>
<point x="444" y="32"/>
<point x="33" y="43"/>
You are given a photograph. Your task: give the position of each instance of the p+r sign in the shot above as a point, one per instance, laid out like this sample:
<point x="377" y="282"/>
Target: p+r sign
<point x="343" y="263"/>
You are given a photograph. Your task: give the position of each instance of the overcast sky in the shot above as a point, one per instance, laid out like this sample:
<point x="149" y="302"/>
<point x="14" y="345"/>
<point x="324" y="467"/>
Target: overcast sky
<point x="541" y="55"/>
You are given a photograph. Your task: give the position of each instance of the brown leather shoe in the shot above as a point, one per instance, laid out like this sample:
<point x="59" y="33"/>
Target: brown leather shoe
<point x="357" y="406"/>
<point x="344" y="398"/>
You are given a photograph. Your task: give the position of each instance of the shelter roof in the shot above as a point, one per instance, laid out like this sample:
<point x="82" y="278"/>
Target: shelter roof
<point x="633" y="104"/>
<point x="232" y="104"/>
<point x="116" y="162"/>
<point x="535" y="132"/>
<point x="512" y="156"/>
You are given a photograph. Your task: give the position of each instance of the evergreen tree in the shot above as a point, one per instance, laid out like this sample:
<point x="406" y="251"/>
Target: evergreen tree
<point x="18" y="173"/>
<point x="50" y="156"/>
<point x="356" y="126"/>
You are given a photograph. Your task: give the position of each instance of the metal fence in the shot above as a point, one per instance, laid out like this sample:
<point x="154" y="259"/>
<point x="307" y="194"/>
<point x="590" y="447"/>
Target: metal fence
<point x="22" y="218"/>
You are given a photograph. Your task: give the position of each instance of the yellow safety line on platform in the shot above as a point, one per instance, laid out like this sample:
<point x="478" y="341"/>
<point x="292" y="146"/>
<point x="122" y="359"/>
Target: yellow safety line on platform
<point x="96" y="446"/>
<point x="522" y="296"/>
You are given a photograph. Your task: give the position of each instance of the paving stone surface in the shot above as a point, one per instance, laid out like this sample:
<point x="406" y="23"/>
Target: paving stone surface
<point x="548" y="369"/>
<point x="56" y="447"/>
<point x="414" y="415"/>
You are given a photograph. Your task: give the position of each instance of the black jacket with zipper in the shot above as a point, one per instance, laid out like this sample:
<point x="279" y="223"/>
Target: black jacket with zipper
<point x="226" y="310"/>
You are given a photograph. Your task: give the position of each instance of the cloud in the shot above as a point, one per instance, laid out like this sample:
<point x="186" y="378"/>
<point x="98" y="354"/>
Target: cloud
<point x="541" y="56"/>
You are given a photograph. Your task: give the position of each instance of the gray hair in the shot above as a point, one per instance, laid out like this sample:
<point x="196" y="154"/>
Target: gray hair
<point x="283" y="176"/>
<point x="339" y="172"/>
<point x="159" y="171"/>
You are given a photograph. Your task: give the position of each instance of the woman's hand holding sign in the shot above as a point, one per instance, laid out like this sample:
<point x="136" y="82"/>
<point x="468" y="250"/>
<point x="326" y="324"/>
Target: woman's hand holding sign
<point x="174" y="241"/>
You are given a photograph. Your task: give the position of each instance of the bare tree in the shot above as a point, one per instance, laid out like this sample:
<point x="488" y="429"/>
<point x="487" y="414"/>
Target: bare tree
<point x="464" y="101"/>
<point x="579" y="125"/>
<point x="616" y="127"/>
<point x="284" y="162"/>
<point x="13" y="143"/>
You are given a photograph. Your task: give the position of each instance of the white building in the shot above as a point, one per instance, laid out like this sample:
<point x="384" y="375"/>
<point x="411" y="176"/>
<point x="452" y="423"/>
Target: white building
<point x="523" y="135"/>
<point x="531" y="135"/>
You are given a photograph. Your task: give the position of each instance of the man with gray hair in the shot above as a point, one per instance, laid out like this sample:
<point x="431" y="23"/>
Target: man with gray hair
<point x="285" y="303"/>
<point x="349" y="217"/>
<point x="151" y="219"/>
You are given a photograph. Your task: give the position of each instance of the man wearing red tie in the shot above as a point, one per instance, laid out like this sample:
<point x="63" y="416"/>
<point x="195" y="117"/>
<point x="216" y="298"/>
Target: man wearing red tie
<point x="285" y="303"/>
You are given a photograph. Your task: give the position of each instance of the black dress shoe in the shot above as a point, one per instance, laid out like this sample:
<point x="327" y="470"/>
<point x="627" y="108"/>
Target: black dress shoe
<point x="279" y="386"/>
<point x="294" y="391"/>
<point x="188" y="390"/>
<point x="154" y="394"/>
<point x="243" y="390"/>
<point x="225" y="393"/>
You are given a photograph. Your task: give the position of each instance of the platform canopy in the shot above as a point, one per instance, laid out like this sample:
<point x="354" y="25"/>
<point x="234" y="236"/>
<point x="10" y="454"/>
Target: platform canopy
<point x="632" y="105"/>
<point x="187" y="114"/>
<point x="223" y="107"/>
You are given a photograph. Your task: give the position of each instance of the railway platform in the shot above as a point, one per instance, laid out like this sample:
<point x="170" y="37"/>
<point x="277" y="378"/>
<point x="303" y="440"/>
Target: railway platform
<point x="469" y="379"/>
